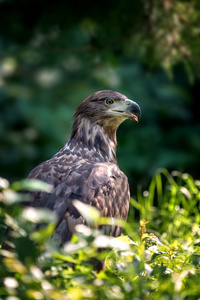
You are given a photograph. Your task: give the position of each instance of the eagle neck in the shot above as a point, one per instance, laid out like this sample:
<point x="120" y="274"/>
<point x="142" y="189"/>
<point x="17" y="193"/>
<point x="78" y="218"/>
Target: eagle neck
<point x="95" y="137"/>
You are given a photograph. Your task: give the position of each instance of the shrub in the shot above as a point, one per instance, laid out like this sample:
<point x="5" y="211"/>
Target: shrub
<point x="157" y="258"/>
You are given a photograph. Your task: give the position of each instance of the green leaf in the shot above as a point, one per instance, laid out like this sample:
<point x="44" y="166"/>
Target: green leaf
<point x="38" y="215"/>
<point x="32" y="185"/>
<point x="88" y="212"/>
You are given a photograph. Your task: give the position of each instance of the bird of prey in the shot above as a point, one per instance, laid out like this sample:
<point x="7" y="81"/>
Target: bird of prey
<point x="86" y="168"/>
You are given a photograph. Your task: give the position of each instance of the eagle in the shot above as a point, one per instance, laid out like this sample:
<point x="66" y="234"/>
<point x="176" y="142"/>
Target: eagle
<point x="86" y="168"/>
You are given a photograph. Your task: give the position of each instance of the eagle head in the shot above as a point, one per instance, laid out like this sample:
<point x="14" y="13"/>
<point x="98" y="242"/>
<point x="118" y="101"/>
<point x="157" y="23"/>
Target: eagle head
<point x="108" y="109"/>
<point x="96" y="121"/>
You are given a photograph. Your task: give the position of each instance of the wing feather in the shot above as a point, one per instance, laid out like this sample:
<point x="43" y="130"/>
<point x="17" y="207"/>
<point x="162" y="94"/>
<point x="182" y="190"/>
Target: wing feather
<point x="101" y="185"/>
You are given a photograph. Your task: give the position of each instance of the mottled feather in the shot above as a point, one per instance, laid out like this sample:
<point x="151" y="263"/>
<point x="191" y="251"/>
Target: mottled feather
<point x="86" y="168"/>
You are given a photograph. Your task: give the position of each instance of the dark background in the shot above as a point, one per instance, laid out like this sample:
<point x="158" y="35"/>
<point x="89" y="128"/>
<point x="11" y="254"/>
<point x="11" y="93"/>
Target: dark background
<point x="53" y="54"/>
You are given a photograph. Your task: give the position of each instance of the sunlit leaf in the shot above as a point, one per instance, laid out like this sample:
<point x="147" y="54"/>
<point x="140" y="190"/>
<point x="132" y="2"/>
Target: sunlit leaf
<point x="32" y="185"/>
<point x="103" y="241"/>
<point x="126" y="239"/>
<point x="89" y="213"/>
<point x="4" y="183"/>
<point x="38" y="215"/>
<point x="11" y="197"/>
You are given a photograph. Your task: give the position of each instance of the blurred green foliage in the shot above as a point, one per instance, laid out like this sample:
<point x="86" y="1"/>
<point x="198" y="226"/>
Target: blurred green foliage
<point x="157" y="258"/>
<point x="54" y="54"/>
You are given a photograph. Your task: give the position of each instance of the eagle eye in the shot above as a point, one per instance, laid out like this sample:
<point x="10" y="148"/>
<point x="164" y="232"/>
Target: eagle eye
<point x="109" y="101"/>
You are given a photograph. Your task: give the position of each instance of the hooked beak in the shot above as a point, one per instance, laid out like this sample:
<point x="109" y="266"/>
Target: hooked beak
<point x="133" y="110"/>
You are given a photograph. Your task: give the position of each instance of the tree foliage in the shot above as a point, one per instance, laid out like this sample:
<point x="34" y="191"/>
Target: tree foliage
<point x="53" y="54"/>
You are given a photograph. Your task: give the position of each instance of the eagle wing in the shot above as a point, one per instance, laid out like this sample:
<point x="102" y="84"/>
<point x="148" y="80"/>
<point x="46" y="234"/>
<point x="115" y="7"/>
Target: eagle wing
<point x="101" y="185"/>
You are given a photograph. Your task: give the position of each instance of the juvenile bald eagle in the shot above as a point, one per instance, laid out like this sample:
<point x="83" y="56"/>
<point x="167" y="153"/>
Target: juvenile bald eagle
<point x="86" y="168"/>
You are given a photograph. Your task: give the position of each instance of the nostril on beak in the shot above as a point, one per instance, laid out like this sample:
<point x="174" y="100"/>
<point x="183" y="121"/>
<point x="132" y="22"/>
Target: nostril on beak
<point x="128" y="102"/>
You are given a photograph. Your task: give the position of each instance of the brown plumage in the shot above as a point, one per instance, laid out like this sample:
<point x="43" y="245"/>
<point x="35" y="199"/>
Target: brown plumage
<point x="86" y="168"/>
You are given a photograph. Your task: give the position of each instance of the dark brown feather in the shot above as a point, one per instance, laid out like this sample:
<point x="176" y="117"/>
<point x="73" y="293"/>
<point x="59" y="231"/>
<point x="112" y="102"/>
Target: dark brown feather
<point x="86" y="169"/>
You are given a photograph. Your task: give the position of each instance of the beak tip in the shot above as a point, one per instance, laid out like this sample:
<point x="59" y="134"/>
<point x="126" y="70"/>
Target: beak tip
<point x="134" y="110"/>
<point x="136" y="118"/>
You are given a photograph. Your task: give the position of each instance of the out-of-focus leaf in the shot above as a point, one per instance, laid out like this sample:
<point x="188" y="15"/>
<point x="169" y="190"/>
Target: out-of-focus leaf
<point x="32" y="185"/>
<point x="10" y="197"/>
<point x="64" y="257"/>
<point x="4" y="183"/>
<point x="103" y="241"/>
<point x="26" y="249"/>
<point x="43" y="234"/>
<point x="89" y="213"/>
<point x="126" y="239"/>
<point x="38" y="215"/>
